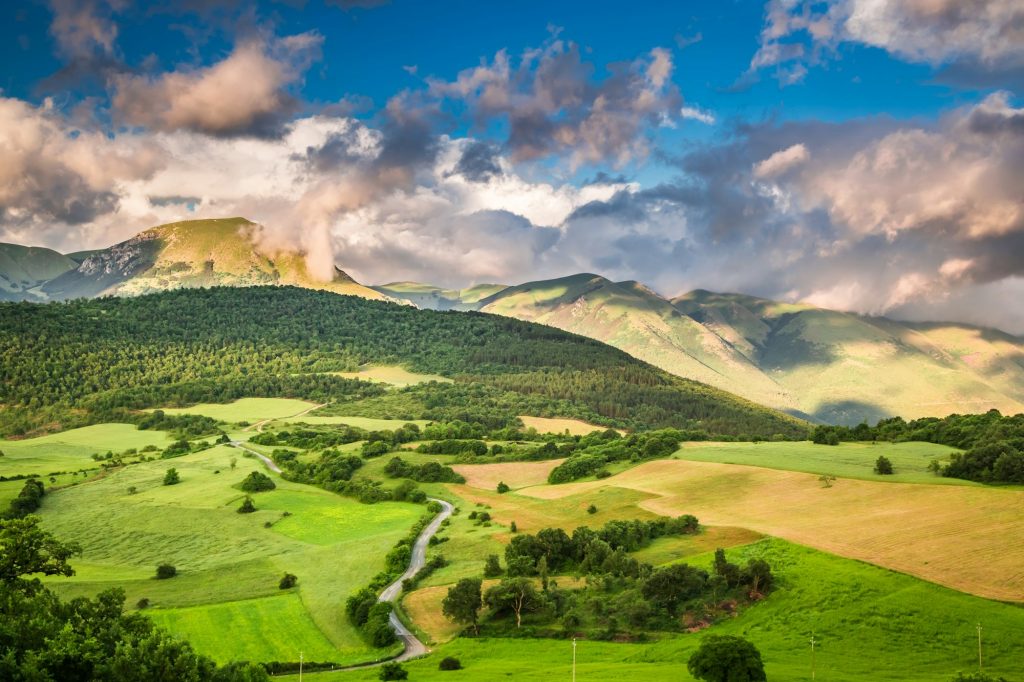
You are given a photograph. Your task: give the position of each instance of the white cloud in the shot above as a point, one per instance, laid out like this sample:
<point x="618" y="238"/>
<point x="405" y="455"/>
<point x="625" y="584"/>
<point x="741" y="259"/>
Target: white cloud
<point x="781" y="161"/>
<point x="698" y="114"/>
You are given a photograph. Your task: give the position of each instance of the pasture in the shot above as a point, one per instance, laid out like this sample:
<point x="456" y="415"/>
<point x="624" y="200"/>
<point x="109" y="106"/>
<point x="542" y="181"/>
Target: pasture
<point x="954" y="535"/>
<point x="575" y="427"/>
<point x="393" y="375"/>
<point x="247" y="409"/>
<point x="871" y="625"/>
<point x="847" y="460"/>
<point x="225" y="598"/>
<point x="72" y="450"/>
<point x="368" y="423"/>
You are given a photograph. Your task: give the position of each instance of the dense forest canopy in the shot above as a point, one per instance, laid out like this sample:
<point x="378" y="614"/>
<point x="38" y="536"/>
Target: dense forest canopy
<point x="66" y="364"/>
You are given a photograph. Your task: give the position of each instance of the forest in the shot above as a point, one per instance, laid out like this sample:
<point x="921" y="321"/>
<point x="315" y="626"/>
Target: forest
<point x="85" y="361"/>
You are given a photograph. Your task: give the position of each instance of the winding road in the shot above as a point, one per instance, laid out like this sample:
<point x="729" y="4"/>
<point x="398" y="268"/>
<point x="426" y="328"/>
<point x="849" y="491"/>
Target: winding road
<point x="413" y="647"/>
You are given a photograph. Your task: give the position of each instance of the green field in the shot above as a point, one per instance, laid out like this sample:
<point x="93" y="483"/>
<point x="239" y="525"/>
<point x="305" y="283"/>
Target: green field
<point x="246" y="409"/>
<point x="871" y="625"/>
<point x="228" y="563"/>
<point x="393" y="375"/>
<point x="846" y="460"/>
<point x="368" y="423"/>
<point x="72" y="450"/>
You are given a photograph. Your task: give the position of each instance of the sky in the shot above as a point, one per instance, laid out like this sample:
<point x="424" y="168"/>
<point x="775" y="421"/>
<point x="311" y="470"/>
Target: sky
<point x="863" y="155"/>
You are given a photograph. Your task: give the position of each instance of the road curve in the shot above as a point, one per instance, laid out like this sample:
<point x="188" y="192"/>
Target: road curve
<point x="413" y="646"/>
<point x="269" y="463"/>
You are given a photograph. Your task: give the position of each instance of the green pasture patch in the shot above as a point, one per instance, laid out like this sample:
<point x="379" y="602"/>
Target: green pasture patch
<point x="846" y="460"/>
<point x="246" y="409"/>
<point x="72" y="450"/>
<point x="368" y="423"/>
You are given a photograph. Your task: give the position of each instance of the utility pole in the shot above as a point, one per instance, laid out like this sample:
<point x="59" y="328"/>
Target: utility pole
<point x="573" y="659"/>
<point x="979" y="647"/>
<point x="813" y="643"/>
<point x="300" y="666"/>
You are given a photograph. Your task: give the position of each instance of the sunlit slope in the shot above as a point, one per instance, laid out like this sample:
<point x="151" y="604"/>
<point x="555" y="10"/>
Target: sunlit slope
<point x="194" y="253"/>
<point x="438" y="298"/>
<point x="630" y="316"/>
<point x="22" y="268"/>
<point x="843" y="368"/>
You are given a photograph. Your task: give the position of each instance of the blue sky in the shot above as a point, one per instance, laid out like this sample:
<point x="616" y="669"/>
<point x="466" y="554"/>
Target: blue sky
<point x="859" y="155"/>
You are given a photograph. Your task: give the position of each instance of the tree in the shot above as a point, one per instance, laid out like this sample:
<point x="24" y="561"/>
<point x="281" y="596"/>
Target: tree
<point x="171" y="477"/>
<point x="449" y="663"/>
<point x="393" y="671"/>
<point x="592" y="509"/>
<point x="503" y="487"/>
<point x="248" y="507"/>
<point x="132" y="490"/>
<point x="729" y="572"/>
<point x="827" y="480"/>
<point x="492" y="567"/>
<point x="517" y="595"/>
<point x="234" y="463"/>
<point x="725" y="658"/>
<point x="463" y="601"/>
<point x="512" y="528"/>
<point x="27" y="549"/>
<point x="669" y="587"/>
<point x="258" y="482"/>
<point x="883" y="466"/>
<point x="287" y="581"/>
<point x="165" y="571"/>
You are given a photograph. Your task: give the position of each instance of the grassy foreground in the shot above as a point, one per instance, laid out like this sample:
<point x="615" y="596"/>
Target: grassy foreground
<point x="870" y="624"/>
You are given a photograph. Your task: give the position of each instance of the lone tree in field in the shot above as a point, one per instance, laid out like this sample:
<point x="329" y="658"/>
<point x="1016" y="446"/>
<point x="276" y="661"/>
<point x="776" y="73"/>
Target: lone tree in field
<point x="288" y="581"/>
<point x="257" y="482"/>
<point x="393" y="671"/>
<point x="165" y="571"/>
<point x="247" y="506"/>
<point x="827" y="480"/>
<point x="725" y="658"/>
<point x="503" y="487"/>
<point x="883" y="466"/>
<point x="171" y="477"/>
<point x="463" y="601"/>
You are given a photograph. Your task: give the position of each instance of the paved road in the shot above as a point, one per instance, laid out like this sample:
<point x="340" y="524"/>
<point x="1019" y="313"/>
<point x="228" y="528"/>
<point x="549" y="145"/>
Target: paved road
<point x="269" y="463"/>
<point x="413" y="646"/>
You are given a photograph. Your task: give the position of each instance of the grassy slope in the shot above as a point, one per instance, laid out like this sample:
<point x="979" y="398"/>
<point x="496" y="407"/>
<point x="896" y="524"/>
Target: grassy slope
<point x="72" y="450"/>
<point x="871" y="625"/>
<point x="24" y="267"/>
<point x="229" y="564"/>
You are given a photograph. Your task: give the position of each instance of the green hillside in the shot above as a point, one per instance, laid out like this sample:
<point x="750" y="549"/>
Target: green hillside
<point x="23" y="268"/>
<point x="91" y="360"/>
<point x="193" y="253"/>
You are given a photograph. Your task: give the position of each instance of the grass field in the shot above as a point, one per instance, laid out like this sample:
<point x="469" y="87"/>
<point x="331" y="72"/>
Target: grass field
<point x="848" y="460"/>
<point x="952" y="535"/>
<point x="229" y="564"/>
<point x="247" y="409"/>
<point x="368" y="423"/>
<point x="72" y="450"/>
<point x="871" y="625"/>
<point x="575" y="427"/>
<point x="517" y="475"/>
<point x="390" y="374"/>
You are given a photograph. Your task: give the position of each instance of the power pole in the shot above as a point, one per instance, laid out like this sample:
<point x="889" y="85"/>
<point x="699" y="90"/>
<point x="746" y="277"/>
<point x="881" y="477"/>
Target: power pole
<point x="300" y="666"/>
<point x="573" y="659"/>
<point x="979" y="647"/>
<point x="813" y="643"/>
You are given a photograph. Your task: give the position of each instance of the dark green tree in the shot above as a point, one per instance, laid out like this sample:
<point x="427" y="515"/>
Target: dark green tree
<point x="172" y="477"/>
<point x="725" y="658"/>
<point x="883" y="466"/>
<point x="463" y="602"/>
<point x="258" y="482"/>
<point x="517" y="595"/>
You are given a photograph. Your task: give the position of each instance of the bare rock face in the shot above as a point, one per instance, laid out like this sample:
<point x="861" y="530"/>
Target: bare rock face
<point x="125" y="259"/>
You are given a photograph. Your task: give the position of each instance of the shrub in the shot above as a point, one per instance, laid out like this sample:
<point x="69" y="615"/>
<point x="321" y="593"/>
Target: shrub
<point x="172" y="477"/>
<point x="492" y="567"/>
<point x="725" y="658"/>
<point x="165" y="571"/>
<point x="393" y="671"/>
<point x="503" y="487"/>
<point x="512" y="528"/>
<point x="257" y="482"/>
<point x="883" y="466"/>
<point x="142" y="603"/>
<point x="592" y="509"/>
<point x="287" y="581"/>
<point x="247" y="506"/>
<point x="449" y="663"/>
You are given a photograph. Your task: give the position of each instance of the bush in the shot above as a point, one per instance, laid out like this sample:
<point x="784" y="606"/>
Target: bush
<point x="142" y="604"/>
<point x="171" y="477"/>
<point x="592" y="509"/>
<point x="883" y="466"/>
<point x="503" y="488"/>
<point x="492" y="567"/>
<point x="725" y="658"/>
<point x="257" y="482"/>
<point x="165" y="571"/>
<point x="247" y="506"/>
<point x="449" y="663"/>
<point x="393" y="671"/>
<point x="288" y="581"/>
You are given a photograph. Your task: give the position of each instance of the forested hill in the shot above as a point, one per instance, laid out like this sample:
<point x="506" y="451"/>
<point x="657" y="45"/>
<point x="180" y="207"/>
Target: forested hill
<point x="64" y="364"/>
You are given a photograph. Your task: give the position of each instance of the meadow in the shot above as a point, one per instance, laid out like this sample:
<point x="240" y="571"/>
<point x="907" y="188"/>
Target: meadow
<point x="392" y="374"/>
<point x="247" y="409"/>
<point x="225" y="598"/>
<point x="72" y="450"/>
<point x="870" y="624"/>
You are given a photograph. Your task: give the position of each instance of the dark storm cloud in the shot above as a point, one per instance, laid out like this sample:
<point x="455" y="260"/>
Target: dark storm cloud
<point x="479" y="162"/>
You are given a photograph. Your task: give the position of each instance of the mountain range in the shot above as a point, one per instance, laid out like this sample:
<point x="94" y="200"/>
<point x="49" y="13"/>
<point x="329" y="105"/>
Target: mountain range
<point x="820" y="364"/>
